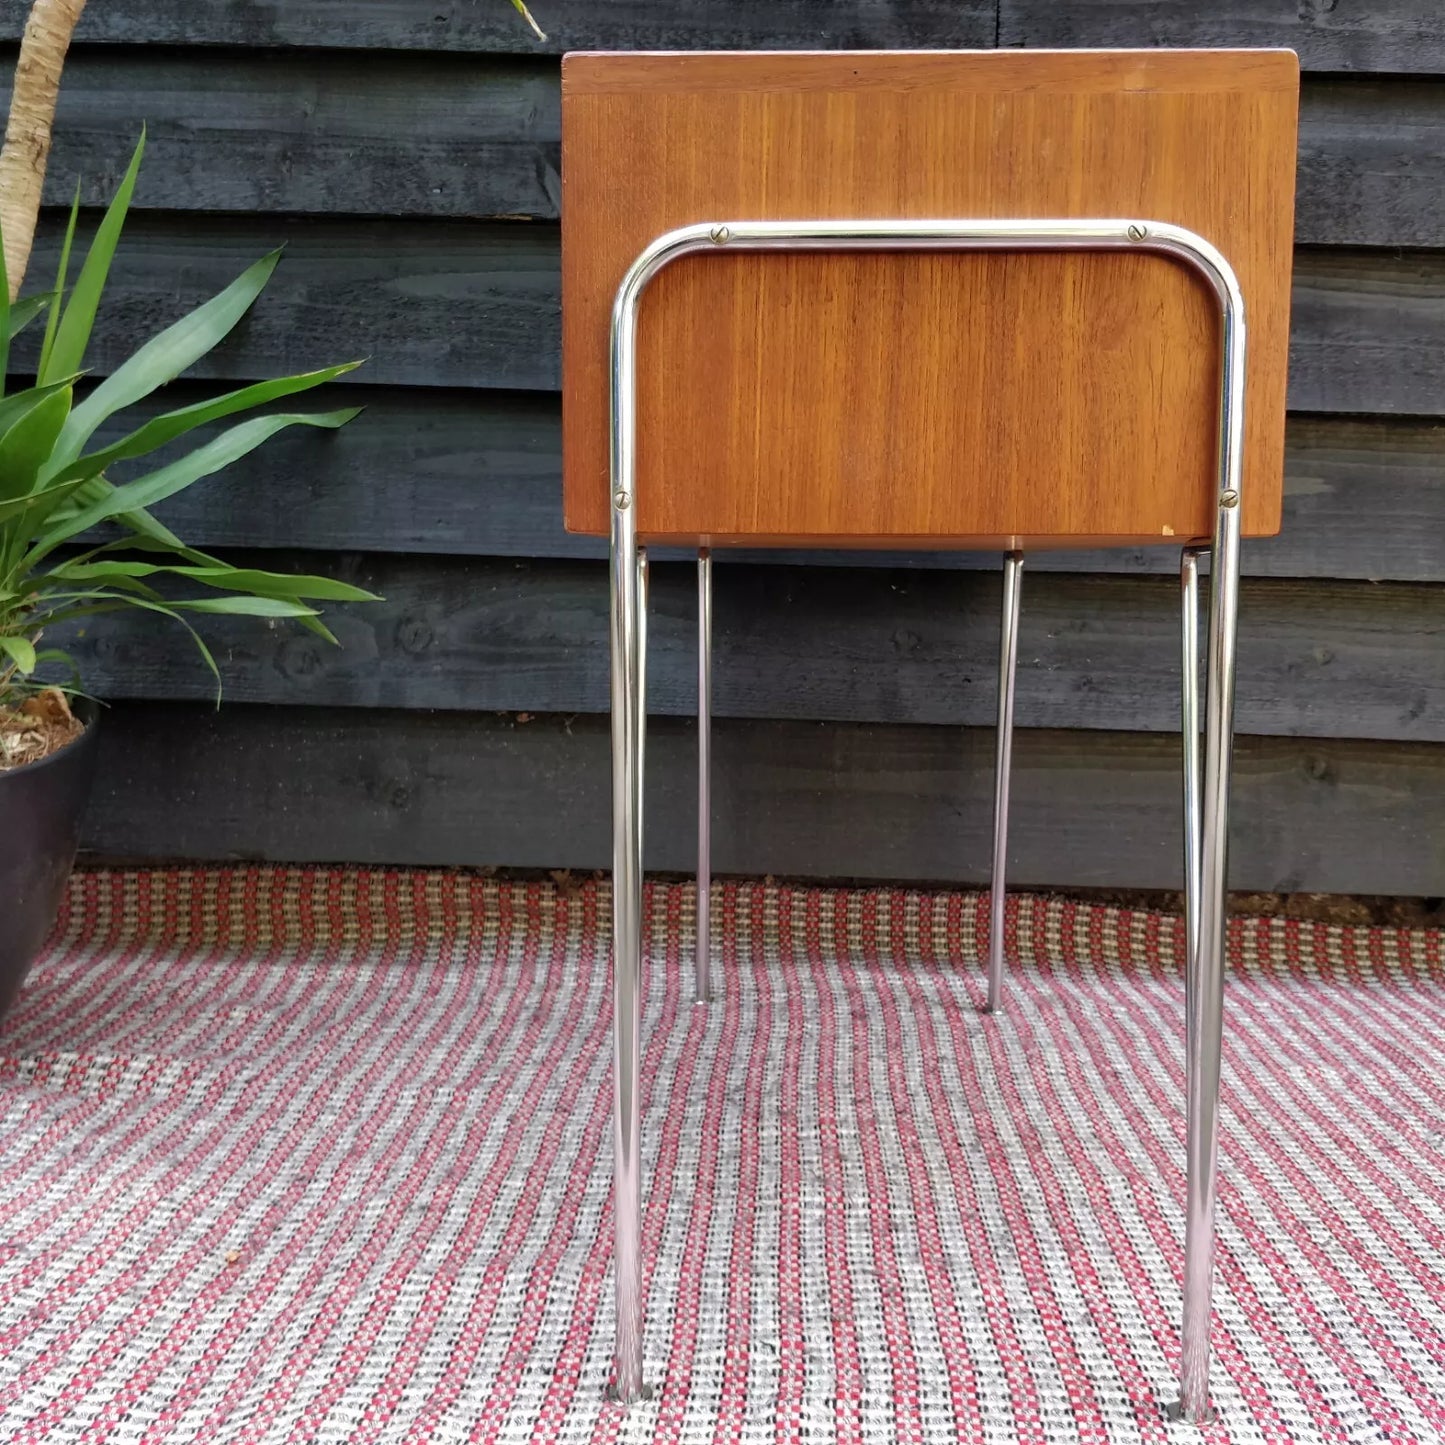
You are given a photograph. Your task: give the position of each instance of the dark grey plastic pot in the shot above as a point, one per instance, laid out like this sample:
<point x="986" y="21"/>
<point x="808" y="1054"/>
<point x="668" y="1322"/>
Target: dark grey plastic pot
<point x="41" y="805"/>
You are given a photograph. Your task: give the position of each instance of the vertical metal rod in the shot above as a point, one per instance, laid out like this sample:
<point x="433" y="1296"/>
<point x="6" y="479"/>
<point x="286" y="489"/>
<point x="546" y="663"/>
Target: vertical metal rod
<point x="641" y="771"/>
<point x="702" y="948"/>
<point x="628" y="634"/>
<point x="1013" y="568"/>
<point x="1189" y="735"/>
<point x="1205" y="994"/>
<point x="629" y="693"/>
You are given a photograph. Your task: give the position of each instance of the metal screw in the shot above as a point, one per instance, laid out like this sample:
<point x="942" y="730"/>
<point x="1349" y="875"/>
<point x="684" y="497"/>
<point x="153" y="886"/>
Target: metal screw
<point x="1137" y="232"/>
<point x="1229" y="499"/>
<point x="622" y="500"/>
<point x="721" y="235"/>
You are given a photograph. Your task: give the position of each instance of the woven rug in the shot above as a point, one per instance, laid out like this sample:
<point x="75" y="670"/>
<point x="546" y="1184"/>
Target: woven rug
<point x="309" y="1155"/>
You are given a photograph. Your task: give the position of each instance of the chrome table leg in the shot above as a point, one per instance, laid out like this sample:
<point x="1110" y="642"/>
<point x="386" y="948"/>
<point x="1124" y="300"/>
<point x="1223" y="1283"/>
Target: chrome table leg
<point x="702" y="948"/>
<point x="1189" y="733"/>
<point x="629" y="644"/>
<point x="1204" y="992"/>
<point x="1013" y="568"/>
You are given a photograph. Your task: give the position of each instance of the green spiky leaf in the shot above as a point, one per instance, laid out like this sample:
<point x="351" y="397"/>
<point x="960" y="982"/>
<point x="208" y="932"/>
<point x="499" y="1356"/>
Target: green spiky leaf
<point x="173" y="424"/>
<point x="57" y="296"/>
<point x="21" y="651"/>
<point x="166" y="356"/>
<point x="72" y="336"/>
<point x="26" y="444"/>
<point x="146" y="491"/>
<point x="230" y="579"/>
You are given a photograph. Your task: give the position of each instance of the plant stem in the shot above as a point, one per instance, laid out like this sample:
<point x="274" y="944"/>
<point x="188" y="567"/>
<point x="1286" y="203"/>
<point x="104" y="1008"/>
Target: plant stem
<point x="27" y="132"/>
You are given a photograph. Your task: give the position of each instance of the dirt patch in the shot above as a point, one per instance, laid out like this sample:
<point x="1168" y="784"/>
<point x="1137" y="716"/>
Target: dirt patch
<point x="1376" y="912"/>
<point x="41" y="725"/>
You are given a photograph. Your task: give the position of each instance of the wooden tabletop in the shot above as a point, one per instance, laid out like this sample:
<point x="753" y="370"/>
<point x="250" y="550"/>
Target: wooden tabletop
<point x="927" y="399"/>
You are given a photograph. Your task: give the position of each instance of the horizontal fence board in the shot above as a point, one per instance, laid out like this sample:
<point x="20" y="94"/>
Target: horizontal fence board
<point x="1367" y="332"/>
<point x="448" y="303"/>
<point x="493" y="25"/>
<point x="447" y="136"/>
<point x="420" y="470"/>
<point x="397" y="135"/>
<point x="1358" y="35"/>
<point x="796" y="799"/>
<point x="1318" y="659"/>
<point x="479" y="475"/>
<point x="1382" y="35"/>
<point x="476" y="304"/>
<point x="1371" y="168"/>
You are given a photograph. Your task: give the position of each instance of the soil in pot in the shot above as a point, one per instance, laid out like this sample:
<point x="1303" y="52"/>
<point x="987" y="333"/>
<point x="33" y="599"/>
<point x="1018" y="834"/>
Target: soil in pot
<point x="42" y="801"/>
<point x="41" y="725"/>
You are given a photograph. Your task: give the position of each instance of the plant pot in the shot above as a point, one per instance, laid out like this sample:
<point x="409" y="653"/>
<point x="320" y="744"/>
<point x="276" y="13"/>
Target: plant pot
<point x="42" y="804"/>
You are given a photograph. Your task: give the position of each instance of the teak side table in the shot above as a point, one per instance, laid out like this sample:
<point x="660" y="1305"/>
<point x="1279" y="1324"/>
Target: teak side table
<point x="972" y="300"/>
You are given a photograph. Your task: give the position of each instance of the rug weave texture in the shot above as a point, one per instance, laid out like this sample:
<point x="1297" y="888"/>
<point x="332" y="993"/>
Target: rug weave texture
<point x="325" y="1155"/>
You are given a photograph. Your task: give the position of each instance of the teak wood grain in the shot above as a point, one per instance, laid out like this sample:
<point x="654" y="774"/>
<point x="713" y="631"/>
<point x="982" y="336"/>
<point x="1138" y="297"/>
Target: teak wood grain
<point x="916" y="399"/>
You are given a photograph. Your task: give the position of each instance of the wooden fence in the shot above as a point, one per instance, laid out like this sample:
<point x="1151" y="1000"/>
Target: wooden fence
<point x="407" y="155"/>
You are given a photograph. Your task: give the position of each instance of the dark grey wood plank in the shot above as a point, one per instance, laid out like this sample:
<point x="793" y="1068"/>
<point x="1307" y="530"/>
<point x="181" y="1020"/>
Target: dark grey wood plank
<point x="430" y="303"/>
<point x="393" y="135"/>
<point x="1387" y="35"/>
<point x="475" y="304"/>
<point x="795" y="799"/>
<point x="1363" y="499"/>
<point x="1368" y="332"/>
<point x="1319" y="659"/>
<point x="469" y="137"/>
<point x="493" y="25"/>
<point x="421" y="470"/>
<point x="479" y="475"/>
<point x="1381" y="35"/>
<point x="1371" y="168"/>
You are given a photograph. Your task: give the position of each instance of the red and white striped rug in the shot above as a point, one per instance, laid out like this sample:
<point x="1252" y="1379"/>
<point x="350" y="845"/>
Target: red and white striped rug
<point x="324" y="1156"/>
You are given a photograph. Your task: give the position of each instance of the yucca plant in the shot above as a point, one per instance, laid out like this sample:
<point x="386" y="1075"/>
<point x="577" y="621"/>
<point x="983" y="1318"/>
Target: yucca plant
<point x="521" y="8"/>
<point x="57" y="488"/>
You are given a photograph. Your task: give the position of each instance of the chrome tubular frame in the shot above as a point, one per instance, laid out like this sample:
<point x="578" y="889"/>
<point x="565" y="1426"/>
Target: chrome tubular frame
<point x="1204" y="1008"/>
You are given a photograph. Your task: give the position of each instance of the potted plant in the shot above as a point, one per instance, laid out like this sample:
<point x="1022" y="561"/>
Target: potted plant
<point x="77" y="539"/>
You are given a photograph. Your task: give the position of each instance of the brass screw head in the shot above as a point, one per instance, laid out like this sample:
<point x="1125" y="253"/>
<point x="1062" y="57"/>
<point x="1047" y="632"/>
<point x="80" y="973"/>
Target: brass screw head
<point x="721" y="235"/>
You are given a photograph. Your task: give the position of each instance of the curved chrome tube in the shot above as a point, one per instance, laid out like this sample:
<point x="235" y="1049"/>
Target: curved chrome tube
<point x="1206" y="962"/>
